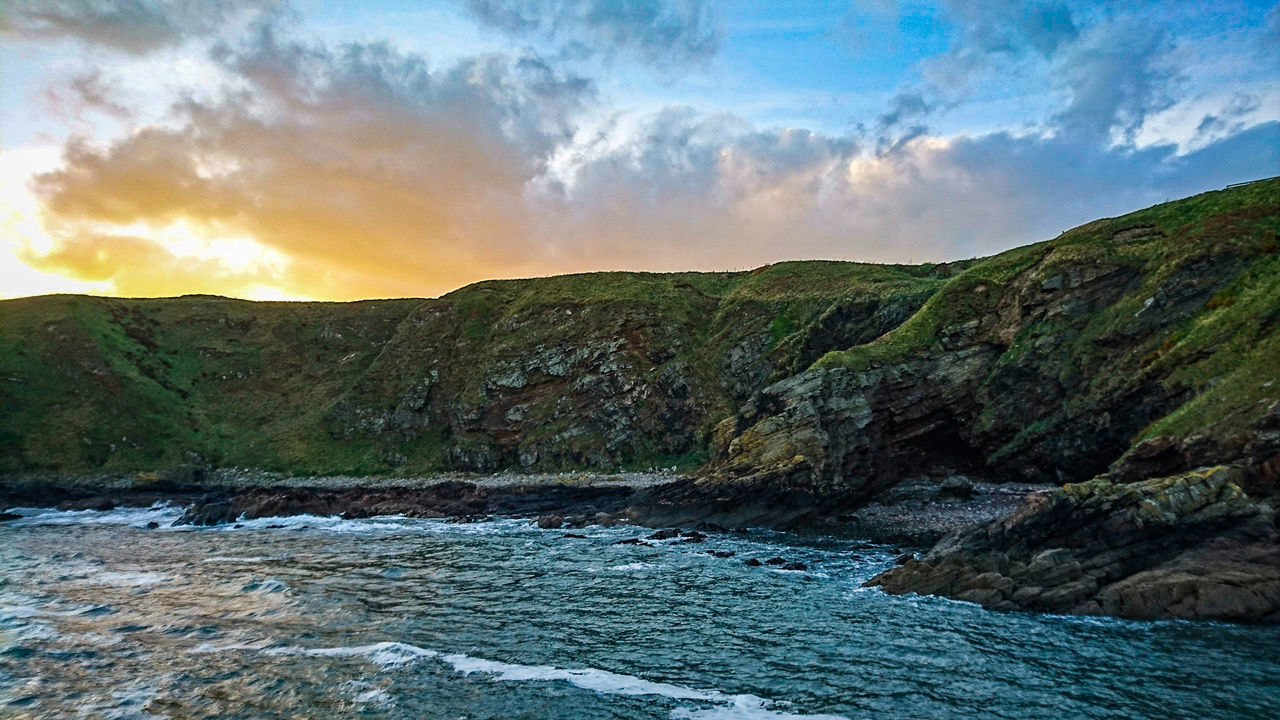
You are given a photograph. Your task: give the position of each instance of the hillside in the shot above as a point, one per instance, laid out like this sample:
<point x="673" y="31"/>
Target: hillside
<point x="1046" y="362"/>
<point x="595" y="370"/>
<point x="1147" y="343"/>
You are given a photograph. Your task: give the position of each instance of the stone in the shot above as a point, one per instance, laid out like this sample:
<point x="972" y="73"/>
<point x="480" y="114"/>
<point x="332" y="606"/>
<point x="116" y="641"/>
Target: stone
<point x="957" y="486"/>
<point x="752" y="562"/>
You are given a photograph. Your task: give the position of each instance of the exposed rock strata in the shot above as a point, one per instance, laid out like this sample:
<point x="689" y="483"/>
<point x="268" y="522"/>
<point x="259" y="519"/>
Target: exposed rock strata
<point x="1192" y="545"/>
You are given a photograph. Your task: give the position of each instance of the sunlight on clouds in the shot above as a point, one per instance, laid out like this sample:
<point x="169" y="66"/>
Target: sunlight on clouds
<point x="23" y="232"/>
<point x="140" y="258"/>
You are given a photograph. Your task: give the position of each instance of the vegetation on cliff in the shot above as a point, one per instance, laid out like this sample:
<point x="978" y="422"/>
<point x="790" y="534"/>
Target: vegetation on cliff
<point x="1048" y="362"/>
<point x="599" y="370"/>
<point x="1051" y="363"/>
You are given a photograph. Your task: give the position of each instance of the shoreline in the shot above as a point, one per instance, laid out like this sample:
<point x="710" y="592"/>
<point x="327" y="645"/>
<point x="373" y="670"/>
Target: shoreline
<point x="915" y="515"/>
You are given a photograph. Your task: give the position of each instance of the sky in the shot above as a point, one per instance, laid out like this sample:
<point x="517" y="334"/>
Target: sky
<point x="312" y="149"/>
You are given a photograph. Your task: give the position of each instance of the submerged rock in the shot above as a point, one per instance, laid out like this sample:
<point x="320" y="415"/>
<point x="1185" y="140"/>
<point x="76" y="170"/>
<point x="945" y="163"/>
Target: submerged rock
<point x="549" y="522"/>
<point x="1192" y="545"/>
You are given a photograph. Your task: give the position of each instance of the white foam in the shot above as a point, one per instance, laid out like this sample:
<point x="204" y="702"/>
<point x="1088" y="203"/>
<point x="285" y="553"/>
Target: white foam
<point x="604" y="682"/>
<point x="161" y="514"/>
<point x="128" y="579"/>
<point x="601" y="681"/>
<point x="632" y="566"/>
<point x="206" y="648"/>
<point x="383" y="654"/>
<point x="270" y="586"/>
<point x="376" y="697"/>
<point x="745" y="707"/>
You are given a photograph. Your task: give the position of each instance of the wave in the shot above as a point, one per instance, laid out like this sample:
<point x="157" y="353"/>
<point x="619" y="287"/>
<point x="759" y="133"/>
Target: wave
<point x="392" y="654"/>
<point x="160" y="513"/>
<point x="128" y="579"/>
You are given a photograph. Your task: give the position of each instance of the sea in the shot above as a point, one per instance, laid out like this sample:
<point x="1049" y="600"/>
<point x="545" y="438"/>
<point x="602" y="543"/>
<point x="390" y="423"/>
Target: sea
<point x="392" y="617"/>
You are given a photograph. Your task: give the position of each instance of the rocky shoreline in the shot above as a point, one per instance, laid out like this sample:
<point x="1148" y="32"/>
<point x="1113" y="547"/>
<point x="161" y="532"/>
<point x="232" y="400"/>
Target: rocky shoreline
<point x="1090" y="385"/>
<point x="225" y="495"/>
<point x="1193" y="545"/>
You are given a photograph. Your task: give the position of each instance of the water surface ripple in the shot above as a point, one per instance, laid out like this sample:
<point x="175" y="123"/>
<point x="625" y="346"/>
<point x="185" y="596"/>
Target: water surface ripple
<point x="401" y="618"/>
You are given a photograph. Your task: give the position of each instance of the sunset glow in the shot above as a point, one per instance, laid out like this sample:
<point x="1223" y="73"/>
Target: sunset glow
<point x="290" y="151"/>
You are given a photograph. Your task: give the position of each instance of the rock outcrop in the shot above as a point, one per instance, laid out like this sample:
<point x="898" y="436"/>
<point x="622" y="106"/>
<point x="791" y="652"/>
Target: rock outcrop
<point x="454" y="499"/>
<point x="1129" y="348"/>
<point x="1045" y="365"/>
<point x="1192" y="545"/>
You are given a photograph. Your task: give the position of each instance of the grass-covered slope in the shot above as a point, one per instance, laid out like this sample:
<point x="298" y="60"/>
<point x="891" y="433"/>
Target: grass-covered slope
<point x="1046" y="361"/>
<point x="1055" y="360"/>
<point x="90" y="384"/>
<point x="581" y="370"/>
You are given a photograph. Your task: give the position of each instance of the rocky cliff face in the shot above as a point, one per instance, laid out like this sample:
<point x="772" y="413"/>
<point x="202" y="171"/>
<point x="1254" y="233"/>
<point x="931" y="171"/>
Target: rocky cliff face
<point x="1146" y="340"/>
<point x="1126" y="349"/>
<point x="1149" y="341"/>
<point x="584" y="371"/>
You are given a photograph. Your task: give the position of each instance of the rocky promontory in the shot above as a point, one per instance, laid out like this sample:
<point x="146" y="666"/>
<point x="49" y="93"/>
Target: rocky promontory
<point x="1192" y="545"/>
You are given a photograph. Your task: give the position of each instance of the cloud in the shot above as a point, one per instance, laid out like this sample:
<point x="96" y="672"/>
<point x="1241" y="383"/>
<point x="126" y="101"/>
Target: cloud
<point x="685" y="193"/>
<point x="1228" y="119"/>
<point x="137" y="266"/>
<point x="132" y="26"/>
<point x="993" y="43"/>
<point x="1116" y="76"/>
<point x="373" y="173"/>
<point x="86" y="91"/>
<point x="998" y="26"/>
<point x="905" y="106"/>
<point x="668" y="34"/>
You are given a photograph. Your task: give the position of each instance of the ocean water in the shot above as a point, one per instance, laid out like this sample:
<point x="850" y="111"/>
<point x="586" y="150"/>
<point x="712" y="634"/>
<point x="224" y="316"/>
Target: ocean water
<point x="401" y="618"/>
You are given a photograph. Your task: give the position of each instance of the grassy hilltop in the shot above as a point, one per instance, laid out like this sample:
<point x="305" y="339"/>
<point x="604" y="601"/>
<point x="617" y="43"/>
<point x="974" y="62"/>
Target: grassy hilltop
<point x="630" y="369"/>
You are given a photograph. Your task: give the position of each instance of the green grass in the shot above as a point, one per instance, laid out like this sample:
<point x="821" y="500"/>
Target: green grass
<point x="94" y="384"/>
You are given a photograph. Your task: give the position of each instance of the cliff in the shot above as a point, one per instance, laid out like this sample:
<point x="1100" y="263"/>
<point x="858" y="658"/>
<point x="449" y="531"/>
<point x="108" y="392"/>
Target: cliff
<point x="1142" y="345"/>
<point x="595" y="371"/>
<point x="1117" y="359"/>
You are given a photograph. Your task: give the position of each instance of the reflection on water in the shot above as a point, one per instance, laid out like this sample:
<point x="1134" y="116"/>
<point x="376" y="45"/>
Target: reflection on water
<point x="398" y="618"/>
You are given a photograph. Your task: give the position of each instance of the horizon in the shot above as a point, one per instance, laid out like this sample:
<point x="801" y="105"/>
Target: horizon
<point x="608" y="271"/>
<point x="263" y="150"/>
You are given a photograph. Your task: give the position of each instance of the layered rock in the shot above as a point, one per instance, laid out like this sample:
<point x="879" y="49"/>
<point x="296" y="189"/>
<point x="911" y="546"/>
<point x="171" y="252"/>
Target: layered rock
<point x="1192" y="545"/>
<point x="580" y="371"/>
<point x="1045" y="365"/>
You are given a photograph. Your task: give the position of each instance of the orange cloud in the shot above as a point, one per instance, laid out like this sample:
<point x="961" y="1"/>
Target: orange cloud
<point x="361" y="172"/>
<point x="372" y="175"/>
